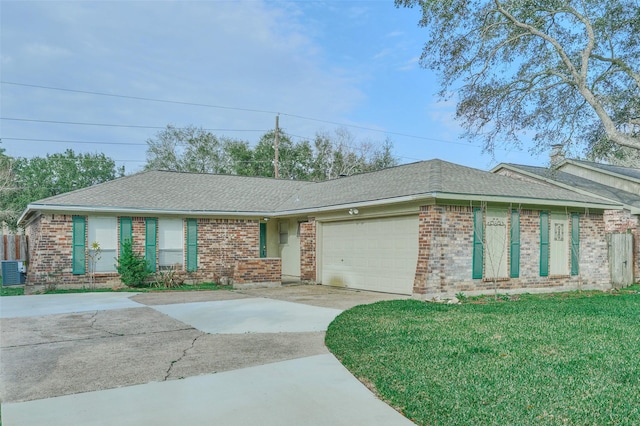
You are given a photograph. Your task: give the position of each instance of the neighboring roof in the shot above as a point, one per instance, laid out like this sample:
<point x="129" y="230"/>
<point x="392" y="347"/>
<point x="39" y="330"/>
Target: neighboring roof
<point x="567" y="180"/>
<point x="627" y="172"/>
<point x="175" y="192"/>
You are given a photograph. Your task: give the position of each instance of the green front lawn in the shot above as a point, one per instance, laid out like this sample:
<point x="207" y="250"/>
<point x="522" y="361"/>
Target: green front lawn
<point x="550" y="359"/>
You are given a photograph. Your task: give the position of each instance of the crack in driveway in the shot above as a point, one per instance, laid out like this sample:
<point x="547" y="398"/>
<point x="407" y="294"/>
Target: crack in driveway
<point x="184" y="353"/>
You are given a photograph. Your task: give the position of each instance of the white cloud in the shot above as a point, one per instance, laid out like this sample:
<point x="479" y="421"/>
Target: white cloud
<point x="410" y="65"/>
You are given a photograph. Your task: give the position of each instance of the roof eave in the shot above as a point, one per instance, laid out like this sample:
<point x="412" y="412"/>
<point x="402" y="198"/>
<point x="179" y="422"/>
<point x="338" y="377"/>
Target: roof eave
<point x="527" y="201"/>
<point x="138" y="211"/>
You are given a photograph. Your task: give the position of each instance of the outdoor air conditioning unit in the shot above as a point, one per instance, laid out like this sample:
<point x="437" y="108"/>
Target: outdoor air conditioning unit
<point x="13" y="272"/>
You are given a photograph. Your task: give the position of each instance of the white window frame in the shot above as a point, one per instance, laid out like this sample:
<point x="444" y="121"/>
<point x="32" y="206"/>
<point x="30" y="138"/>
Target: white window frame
<point x="104" y="231"/>
<point x="170" y="243"/>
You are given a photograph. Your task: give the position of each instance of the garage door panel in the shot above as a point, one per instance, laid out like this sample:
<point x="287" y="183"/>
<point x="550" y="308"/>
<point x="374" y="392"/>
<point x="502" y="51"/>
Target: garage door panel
<point x="374" y="254"/>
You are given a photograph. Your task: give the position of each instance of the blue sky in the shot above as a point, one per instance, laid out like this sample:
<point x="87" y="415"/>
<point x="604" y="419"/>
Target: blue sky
<point x="321" y="65"/>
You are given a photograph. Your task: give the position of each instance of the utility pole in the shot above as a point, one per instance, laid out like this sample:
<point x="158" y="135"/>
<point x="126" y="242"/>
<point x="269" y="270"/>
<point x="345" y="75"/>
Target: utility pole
<point x="275" y="162"/>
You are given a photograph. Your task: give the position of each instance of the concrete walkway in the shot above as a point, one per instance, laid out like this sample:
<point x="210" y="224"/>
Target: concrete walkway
<point x="306" y="390"/>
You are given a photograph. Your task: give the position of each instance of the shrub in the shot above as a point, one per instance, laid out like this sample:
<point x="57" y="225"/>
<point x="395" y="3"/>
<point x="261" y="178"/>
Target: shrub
<point x="132" y="267"/>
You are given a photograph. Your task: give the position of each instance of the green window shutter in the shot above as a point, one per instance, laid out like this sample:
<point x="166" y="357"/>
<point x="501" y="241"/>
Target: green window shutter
<point x="79" y="245"/>
<point x="478" y="239"/>
<point x="126" y="231"/>
<point x="515" y="244"/>
<point x="192" y="245"/>
<point x="575" y="243"/>
<point x="150" y="243"/>
<point x="544" y="244"/>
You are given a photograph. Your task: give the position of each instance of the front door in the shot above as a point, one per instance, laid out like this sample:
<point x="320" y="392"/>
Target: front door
<point x="263" y="240"/>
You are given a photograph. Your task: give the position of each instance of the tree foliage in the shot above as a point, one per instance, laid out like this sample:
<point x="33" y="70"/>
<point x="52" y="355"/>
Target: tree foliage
<point x="41" y="177"/>
<point x="567" y="70"/>
<point x="328" y="156"/>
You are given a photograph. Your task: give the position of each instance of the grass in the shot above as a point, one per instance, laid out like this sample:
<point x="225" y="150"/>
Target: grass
<point x="11" y="291"/>
<point x="571" y="358"/>
<point x="19" y="291"/>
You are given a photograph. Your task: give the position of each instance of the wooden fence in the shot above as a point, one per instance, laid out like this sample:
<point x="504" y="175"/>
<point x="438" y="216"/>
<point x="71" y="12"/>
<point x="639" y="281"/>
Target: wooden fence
<point x="13" y="247"/>
<point x="621" y="259"/>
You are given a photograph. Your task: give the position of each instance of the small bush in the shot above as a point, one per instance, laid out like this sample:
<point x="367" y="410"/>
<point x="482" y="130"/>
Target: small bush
<point x="132" y="267"/>
<point x="170" y="278"/>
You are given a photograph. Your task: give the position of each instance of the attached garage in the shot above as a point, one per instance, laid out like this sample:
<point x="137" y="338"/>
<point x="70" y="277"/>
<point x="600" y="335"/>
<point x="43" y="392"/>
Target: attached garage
<point x="372" y="254"/>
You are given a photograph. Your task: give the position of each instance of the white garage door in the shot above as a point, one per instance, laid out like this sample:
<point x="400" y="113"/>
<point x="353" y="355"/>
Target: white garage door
<point x="372" y="254"/>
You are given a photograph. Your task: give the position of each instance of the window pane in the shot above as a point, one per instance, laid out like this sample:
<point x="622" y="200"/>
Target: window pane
<point x="107" y="261"/>
<point x="496" y="244"/>
<point x="170" y="257"/>
<point x="170" y="234"/>
<point x="103" y="230"/>
<point x="170" y="242"/>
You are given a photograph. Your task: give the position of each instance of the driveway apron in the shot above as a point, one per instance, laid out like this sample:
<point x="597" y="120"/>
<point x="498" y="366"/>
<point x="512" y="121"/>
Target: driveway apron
<point x="309" y="388"/>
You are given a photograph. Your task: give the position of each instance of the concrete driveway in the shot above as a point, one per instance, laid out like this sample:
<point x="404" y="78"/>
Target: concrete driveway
<point x="197" y="358"/>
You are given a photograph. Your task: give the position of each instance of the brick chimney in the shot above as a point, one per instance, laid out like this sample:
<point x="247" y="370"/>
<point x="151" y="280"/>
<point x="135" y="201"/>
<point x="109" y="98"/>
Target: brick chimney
<point x="557" y="155"/>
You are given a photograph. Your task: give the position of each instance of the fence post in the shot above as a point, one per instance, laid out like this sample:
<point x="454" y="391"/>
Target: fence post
<point x="23" y="248"/>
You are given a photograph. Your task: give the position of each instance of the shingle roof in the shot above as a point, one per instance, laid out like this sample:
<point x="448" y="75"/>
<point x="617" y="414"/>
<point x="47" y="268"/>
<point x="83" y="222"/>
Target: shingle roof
<point x="165" y="190"/>
<point x="422" y="179"/>
<point x="630" y="172"/>
<point x="188" y="192"/>
<point x="584" y="184"/>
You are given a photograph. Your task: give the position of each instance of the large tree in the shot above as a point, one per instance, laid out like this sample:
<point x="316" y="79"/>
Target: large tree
<point x="192" y="149"/>
<point x="568" y="71"/>
<point x="186" y="149"/>
<point x="41" y="177"/>
<point x="340" y="154"/>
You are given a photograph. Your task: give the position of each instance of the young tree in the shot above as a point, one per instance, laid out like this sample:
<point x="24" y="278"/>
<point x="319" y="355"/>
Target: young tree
<point x="568" y="70"/>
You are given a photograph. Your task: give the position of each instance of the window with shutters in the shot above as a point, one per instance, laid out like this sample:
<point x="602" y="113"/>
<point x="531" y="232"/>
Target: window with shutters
<point x="493" y="241"/>
<point x="170" y="243"/>
<point x="559" y="244"/>
<point x="103" y="230"/>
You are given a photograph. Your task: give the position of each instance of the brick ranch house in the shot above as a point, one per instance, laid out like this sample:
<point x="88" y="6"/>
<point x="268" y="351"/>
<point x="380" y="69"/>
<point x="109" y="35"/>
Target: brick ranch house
<point x="615" y="184"/>
<point x="429" y="228"/>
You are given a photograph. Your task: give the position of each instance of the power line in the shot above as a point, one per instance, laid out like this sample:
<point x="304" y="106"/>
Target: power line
<point x="70" y="141"/>
<point x="301" y="117"/>
<point x="137" y="98"/>
<point x="123" y="125"/>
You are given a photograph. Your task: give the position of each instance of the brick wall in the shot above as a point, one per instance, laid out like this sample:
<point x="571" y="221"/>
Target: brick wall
<point x="49" y="243"/>
<point x="308" y="250"/>
<point x="258" y="271"/>
<point x="221" y="243"/>
<point x="446" y="252"/>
